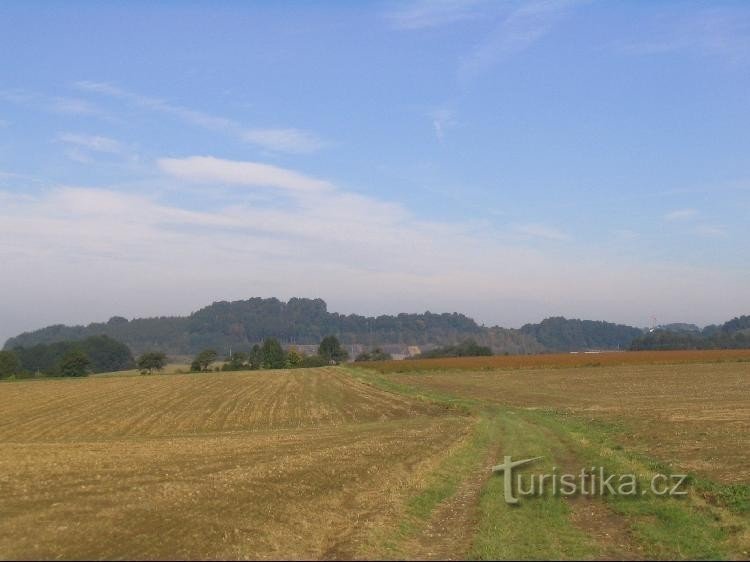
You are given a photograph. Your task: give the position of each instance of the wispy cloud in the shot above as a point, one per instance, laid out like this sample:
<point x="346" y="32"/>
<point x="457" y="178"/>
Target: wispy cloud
<point x="422" y="14"/>
<point x="681" y="215"/>
<point x="716" y="31"/>
<point x="284" y="140"/>
<point x="54" y="104"/>
<point x="525" y="25"/>
<point x="536" y="230"/>
<point x="625" y="234"/>
<point x="207" y="169"/>
<point x="442" y="119"/>
<point x="711" y="231"/>
<point x="95" y="143"/>
<point x="275" y="139"/>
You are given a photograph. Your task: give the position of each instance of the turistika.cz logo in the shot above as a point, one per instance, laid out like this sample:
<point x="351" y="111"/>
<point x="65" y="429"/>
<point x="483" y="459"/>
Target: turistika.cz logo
<point x="590" y="481"/>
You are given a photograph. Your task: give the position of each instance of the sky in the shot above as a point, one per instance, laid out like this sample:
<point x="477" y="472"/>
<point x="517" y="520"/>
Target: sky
<point x="509" y="160"/>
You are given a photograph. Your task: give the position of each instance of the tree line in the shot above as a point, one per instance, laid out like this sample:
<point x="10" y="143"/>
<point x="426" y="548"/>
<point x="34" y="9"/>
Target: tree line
<point x="103" y="354"/>
<point x="95" y="354"/>
<point x="271" y="355"/>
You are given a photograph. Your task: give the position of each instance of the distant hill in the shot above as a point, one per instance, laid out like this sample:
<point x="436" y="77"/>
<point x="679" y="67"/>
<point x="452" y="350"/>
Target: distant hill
<point x="562" y="334"/>
<point x="734" y="334"/>
<point x="240" y="324"/>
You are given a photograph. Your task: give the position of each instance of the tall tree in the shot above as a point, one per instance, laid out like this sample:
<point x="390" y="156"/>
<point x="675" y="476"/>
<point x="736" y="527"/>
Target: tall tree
<point x="273" y="354"/>
<point x="330" y="349"/>
<point x="150" y="361"/>
<point x="203" y="360"/>
<point x="9" y="364"/>
<point x="256" y="357"/>
<point x="75" y="363"/>
<point x="293" y="358"/>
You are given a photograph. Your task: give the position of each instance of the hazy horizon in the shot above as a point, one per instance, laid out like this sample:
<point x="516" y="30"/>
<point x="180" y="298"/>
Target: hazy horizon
<point x="508" y="160"/>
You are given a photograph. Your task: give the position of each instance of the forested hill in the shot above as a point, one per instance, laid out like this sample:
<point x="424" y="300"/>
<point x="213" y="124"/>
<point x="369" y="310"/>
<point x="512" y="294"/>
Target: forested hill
<point x="562" y="334"/>
<point x="734" y="334"/>
<point x="240" y="324"/>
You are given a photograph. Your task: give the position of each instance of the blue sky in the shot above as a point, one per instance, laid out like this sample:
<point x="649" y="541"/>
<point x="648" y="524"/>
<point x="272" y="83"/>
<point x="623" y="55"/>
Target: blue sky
<point x="511" y="160"/>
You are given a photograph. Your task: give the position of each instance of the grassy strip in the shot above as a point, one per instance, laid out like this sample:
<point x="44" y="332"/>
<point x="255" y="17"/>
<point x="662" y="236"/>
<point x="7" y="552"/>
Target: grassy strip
<point x="538" y="528"/>
<point x="710" y="523"/>
<point x="376" y="379"/>
<point x="441" y="485"/>
<point x="666" y="527"/>
<point x="504" y="531"/>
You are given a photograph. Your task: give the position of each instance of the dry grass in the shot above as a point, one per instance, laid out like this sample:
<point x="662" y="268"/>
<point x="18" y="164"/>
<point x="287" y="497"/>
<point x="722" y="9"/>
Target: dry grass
<point x="696" y="416"/>
<point x="561" y="360"/>
<point x="298" y="464"/>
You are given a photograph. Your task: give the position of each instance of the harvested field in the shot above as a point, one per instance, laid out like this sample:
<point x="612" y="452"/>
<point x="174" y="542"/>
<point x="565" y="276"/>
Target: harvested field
<point x="113" y="407"/>
<point x="561" y="360"/>
<point x="342" y="463"/>
<point x="298" y="464"/>
<point x="696" y="416"/>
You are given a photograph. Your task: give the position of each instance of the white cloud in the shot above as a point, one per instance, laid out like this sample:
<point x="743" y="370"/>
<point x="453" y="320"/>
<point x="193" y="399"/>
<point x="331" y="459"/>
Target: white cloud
<point x="681" y="215"/>
<point x="275" y="139"/>
<point x="207" y="169"/>
<point x="110" y="252"/>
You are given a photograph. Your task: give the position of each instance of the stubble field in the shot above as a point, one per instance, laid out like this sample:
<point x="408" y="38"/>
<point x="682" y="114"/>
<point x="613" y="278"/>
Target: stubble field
<point x="692" y="415"/>
<point x="242" y="465"/>
<point x="371" y="462"/>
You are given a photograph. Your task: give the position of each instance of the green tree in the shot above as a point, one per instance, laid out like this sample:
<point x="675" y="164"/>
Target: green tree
<point x="330" y="349"/>
<point x="203" y="360"/>
<point x="255" y="358"/>
<point x="74" y="363"/>
<point x="273" y="354"/>
<point x="9" y="364"/>
<point x="237" y="362"/>
<point x="293" y="358"/>
<point x="150" y="361"/>
<point x="106" y="354"/>
<point x="313" y="361"/>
